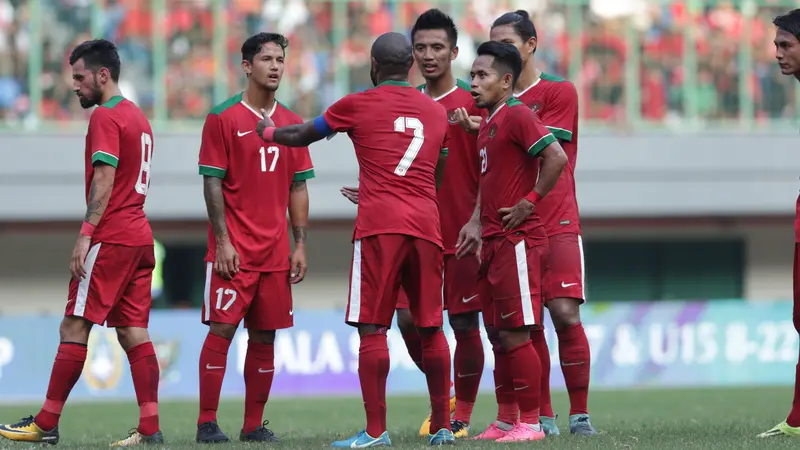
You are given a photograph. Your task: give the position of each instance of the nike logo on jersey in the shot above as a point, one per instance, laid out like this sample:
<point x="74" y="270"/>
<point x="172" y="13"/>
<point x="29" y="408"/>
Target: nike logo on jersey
<point x="245" y="133"/>
<point x="260" y="370"/>
<point x="519" y="389"/>
<point x="210" y="367"/>
<point x="467" y="300"/>
<point x="506" y="316"/>
<point x="565" y="285"/>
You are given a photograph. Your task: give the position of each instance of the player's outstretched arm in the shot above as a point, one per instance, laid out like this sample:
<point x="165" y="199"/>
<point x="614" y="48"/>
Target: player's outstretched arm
<point x="298" y="215"/>
<point x="227" y="260"/>
<point x="300" y="135"/>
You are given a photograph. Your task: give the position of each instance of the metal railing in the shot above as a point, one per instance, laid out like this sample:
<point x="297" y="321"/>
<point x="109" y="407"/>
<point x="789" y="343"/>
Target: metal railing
<point x="683" y="65"/>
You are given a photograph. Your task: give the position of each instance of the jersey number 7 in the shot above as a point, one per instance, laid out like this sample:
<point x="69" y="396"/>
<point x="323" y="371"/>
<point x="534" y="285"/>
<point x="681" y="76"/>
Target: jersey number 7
<point x="400" y="126"/>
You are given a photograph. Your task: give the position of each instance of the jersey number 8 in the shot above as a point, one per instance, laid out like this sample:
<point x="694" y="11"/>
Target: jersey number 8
<point x="143" y="182"/>
<point x="400" y="126"/>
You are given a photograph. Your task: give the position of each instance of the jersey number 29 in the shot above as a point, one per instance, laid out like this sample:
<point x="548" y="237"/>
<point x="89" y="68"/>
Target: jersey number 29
<point x="143" y="182"/>
<point x="400" y="126"/>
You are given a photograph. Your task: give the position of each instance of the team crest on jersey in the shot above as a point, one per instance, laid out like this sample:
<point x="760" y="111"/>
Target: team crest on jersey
<point x="536" y="107"/>
<point x="492" y="130"/>
<point x="451" y="116"/>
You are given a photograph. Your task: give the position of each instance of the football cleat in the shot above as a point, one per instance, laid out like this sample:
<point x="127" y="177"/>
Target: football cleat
<point x="523" y="432"/>
<point x="136" y="438"/>
<point x="26" y="430"/>
<point x="442" y="437"/>
<point x="781" y="429"/>
<point x="363" y="440"/>
<point x="260" y="434"/>
<point x="425" y="429"/>
<point x="492" y="433"/>
<point x="210" y="433"/>
<point x="460" y="429"/>
<point x="579" y="424"/>
<point x="549" y="425"/>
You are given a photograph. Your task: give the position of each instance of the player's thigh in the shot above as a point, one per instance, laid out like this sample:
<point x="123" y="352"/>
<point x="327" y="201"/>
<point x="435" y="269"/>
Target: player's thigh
<point x="461" y="284"/>
<point x="271" y="308"/>
<point x="422" y="281"/>
<point x="227" y="301"/>
<point x="515" y="275"/>
<point x="375" y="279"/>
<point x="565" y="272"/>
<point x="133" y="308"/>
<point x="108" y="269"/>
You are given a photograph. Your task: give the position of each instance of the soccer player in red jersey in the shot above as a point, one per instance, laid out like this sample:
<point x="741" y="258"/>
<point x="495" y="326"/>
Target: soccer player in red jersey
<point x="787" y="52"/>
<point x="521" y="161"/>
<point x="112" y="263"/>
<point x="399" y="137"/>
<point x="250" y="268"/>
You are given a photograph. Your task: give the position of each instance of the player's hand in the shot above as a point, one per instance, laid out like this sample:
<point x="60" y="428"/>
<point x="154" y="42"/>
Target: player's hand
<point x="263" y="124"/>
<point x="350" y="193"/>
<point x="227" y="261"/>
<point x="470" y="124"/>
<point x="469" y="240"/>
<point x="514" y="216"/>
<point x="76" y="267"/>
<point x="299" y="264"/>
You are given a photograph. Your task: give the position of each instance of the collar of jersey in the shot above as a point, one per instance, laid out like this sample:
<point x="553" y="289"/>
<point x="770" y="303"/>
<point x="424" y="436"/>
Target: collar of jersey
<point x="394" y="83"/>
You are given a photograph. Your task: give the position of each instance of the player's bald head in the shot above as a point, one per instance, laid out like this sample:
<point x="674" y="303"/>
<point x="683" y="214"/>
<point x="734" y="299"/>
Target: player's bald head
<point x="392" y="54"/>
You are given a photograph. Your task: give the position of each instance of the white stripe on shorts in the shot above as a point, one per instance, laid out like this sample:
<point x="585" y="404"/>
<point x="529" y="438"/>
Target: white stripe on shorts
<point x="524" y="285"/>
<point x="207" y="292"/>
<point x="83" y="285"/>
<point x="583" y="268"/>
<point x="355" y="284"/>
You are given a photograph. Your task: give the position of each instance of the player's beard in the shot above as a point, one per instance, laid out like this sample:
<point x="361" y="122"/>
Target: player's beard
<point x="94" y="98"/>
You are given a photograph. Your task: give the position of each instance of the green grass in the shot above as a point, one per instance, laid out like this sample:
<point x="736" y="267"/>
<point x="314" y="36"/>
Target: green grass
<point x="666" y="419"/>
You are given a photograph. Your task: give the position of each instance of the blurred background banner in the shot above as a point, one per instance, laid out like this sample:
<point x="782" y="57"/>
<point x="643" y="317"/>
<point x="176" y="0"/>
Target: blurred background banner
<point x="641" y="344"/>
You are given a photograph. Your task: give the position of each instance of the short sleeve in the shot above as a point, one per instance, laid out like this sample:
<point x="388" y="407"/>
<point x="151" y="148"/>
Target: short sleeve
<point x="528" y="131"/>
<point x="559" y="116"/>
<point x="445" y="143"/>
<point x="213" y="150"/>
<point x="303" y="168"/>
<point x="341" y="116"/>
<point x="104" y="135"/>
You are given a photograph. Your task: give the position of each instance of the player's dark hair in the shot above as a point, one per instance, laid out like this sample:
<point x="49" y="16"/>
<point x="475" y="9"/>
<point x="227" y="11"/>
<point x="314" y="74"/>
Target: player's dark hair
<point x="97" y="54"/>
<point x="521" y="21"/>
<point x="392" y="52"/>
<point x="435" y="19"/>
<point x="252" y="46"/>
<point x="506" y="58"/>
<point x="789" y="22"/>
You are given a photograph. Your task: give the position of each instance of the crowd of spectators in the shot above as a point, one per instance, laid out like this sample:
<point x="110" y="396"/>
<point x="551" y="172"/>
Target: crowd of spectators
<point x="605" y="35"/>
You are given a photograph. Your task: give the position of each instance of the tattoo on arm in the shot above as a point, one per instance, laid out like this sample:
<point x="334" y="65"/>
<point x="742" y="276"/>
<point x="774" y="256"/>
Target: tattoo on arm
<point x="215" y="205"/>
<point x="93" y="205"/>
<point x="99" y="193"/>
<point x="300" y="234"/>
<point x="297" y="186"/>
<point x="298" y="210"/>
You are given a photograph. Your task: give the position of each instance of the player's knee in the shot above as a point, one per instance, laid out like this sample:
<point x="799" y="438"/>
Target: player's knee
<point x="261" y="336"/>
<point x="514" y="338"/>
<point x="565" y="312"/>
<point x="223" y="330"/>
<point x="75" y="329"/>
<point x="405" y="321"/>
<point x="366" y="329"/>
<point x="130" y="337"/>
<point x="494" y="338"/>
<point x="464" y="322"/>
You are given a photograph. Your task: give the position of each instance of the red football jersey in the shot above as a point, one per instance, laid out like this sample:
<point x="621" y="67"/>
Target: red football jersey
<point x="555" y="100"/>
<point x="459" y="189"/>
<point x="509" y="141"/>
<point x="120" y="135"/>
<point x="398" y="134"/>
<point x="256" y="177"/>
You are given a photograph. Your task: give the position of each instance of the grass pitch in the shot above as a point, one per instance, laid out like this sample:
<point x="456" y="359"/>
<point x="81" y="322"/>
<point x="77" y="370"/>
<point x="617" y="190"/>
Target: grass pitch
<point x="664" y="420"/>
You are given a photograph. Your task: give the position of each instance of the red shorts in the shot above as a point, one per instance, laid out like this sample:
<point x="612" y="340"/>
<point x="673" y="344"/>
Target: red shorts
<point x="796" y="311"/>
<point x="262" y="299"/>
<point x="566" y="271"/>
<point x="460" y="286"/>
<point x="116" y="289"/>
<point x="384" y="263"/>
<point x="510" y="284"/>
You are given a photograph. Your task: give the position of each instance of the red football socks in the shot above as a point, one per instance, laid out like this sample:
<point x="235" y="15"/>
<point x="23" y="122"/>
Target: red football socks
<point x="794" y="417"/>
<point x="414" y="346"/>
<point x="436" y="360"/>
<point x="573" y="349"/>
<point x="527" y="373"/>
<point x="540" y="345"/>
<point x="146" y="373"/>
<point x="507" y="408"/>
<point x="468" y="365"/>
<point x="67" y="369"/>
<point x="213" y="359"/>
<point x="259" y="370"/>
<point x="373" y="369"/>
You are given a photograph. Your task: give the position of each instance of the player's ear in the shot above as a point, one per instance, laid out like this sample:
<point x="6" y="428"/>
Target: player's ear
<point x="532" y="43"/>
<point x="105" y="75"/>
<point x="454" y="53"/>
<point x="246" y="67"/>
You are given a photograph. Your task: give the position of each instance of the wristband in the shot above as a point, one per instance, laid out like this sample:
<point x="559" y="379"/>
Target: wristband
<point x="533" y="197"/>
<point x="87" y="229"/>
<point x="268" y="134"/>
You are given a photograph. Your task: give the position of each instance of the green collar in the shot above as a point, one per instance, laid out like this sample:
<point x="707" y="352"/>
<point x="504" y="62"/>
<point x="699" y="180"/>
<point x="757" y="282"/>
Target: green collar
<point x="394" y="83"/>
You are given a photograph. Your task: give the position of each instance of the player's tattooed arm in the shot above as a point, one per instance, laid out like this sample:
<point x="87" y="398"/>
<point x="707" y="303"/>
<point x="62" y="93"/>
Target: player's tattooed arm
<point x="215" y="205"/>
<point x="99" y="192"/>
<point x="298" y="210"/>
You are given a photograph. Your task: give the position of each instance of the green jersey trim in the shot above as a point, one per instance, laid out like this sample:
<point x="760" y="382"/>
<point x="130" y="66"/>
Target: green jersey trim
<point x="304" y="175"/>
<point x="211" y="171"/>
<point x="540" y="145"/>
<point x="106" y="158"/>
